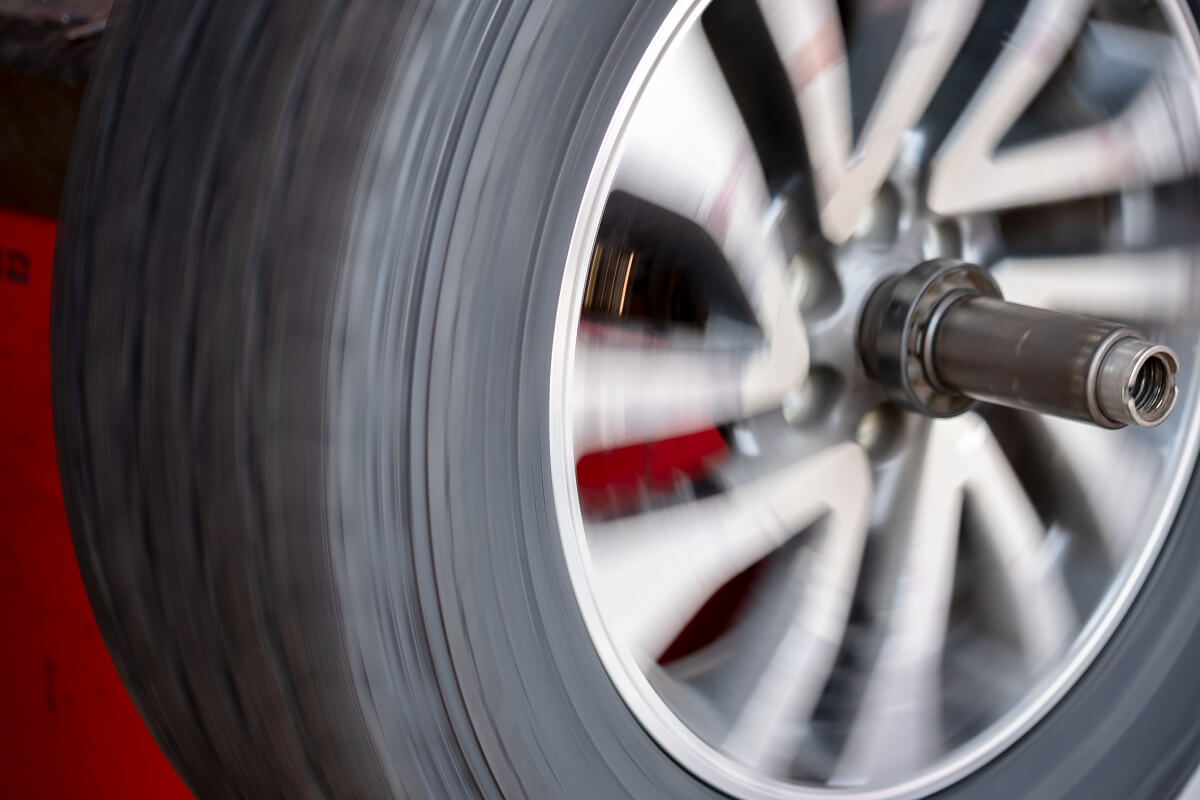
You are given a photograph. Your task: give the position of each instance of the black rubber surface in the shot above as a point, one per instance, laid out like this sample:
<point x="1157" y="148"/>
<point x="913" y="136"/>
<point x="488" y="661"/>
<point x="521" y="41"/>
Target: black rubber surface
<point x="304" y="303"/>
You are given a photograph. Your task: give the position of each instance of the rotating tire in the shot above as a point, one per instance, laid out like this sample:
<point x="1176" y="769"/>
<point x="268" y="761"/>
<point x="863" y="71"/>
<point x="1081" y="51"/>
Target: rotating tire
<point x="461" y="399"/>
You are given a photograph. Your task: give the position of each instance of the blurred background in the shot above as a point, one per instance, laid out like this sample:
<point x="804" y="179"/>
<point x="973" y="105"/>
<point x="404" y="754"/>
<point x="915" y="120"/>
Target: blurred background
<point x="69" y="728"/>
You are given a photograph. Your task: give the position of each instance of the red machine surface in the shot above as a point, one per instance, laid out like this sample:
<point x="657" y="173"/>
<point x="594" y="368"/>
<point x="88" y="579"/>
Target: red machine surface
<point x="69" y="729"/>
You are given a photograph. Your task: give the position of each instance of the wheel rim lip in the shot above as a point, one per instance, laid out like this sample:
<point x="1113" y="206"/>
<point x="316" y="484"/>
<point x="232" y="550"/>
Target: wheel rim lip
<point x="632" y="683"/>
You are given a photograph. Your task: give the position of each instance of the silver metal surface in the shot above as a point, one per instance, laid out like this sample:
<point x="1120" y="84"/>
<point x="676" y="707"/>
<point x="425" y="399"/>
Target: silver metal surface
<point x="909" y="595"/>
<point x="1136" y="382"/>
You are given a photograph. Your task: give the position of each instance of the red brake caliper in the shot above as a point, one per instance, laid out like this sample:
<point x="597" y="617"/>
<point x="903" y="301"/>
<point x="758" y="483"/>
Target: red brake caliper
<point x="615" y="481"/>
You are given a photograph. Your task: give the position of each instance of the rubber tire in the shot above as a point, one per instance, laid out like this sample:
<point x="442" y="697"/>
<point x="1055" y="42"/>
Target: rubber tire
<point x="304" y="300"/>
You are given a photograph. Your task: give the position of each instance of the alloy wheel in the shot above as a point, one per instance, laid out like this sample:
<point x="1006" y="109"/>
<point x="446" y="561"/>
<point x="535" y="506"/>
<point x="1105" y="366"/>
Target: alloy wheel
<point x="797" y="586"/>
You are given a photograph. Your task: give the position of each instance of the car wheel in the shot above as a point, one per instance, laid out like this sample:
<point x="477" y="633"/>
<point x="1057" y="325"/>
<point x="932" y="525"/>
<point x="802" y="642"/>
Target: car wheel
<point x="467" y="399"/>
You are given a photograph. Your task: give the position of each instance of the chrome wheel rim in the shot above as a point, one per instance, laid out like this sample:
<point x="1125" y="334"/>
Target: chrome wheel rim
<point x="865" y="543"/>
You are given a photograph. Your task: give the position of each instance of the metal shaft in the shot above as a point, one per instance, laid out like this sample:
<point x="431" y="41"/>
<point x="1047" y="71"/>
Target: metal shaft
<point x="941" y="336"/>
<point x="1052" y="363"/>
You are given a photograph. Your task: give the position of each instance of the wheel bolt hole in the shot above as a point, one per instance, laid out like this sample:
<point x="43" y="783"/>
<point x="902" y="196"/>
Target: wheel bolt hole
<point x="880" y="431"/>
<point x="815" y="400"/>
<point x="942" y="239"/>
<point x="880" y="223"/>
<point x="815" y="287"/>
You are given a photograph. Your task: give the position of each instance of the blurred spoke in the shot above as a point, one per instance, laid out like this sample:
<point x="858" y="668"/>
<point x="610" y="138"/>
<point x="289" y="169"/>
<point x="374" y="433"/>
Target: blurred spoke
<point x="898" y="725"/>
<point x="787" y="645"/>
<point x="1114" y="469"/>
<point x="628" y="394"/>
<point x="1156" y="140"/>
<point x="1152" y="287"/>
<point x="687" y="150"/>
<point x="657" y="569"/>
<point x="1034" y="592"/>
<point x="809" y="38"/>
<point x="963" y="176"/>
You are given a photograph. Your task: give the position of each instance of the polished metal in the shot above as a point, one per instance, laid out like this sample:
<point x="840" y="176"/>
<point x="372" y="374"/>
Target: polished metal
<point x="941" y="336"/>
<point x="1137" y="382"/>
<point x="916" y="593"/>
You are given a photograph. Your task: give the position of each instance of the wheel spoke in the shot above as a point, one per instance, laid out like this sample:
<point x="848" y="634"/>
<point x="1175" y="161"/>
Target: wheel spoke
<point x="963" y="174"/>
<point x="898" y="724"/>
<point x="632" y="393"/>
<point x="627" y="395"/>
<point x="789" y="642"/>
<point x="1156" y="140"/>
<point x="687" y="150"/>
<point x="1148" y="287"/>
<point x="810" y="40"/>
<point x="657" y="569"/>
<point x="1034" y="592"/>
<point x="1112" y="469"/>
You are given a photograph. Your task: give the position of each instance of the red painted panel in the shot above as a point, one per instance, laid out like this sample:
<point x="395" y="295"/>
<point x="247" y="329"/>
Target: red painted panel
<point x="67" y="727"/>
